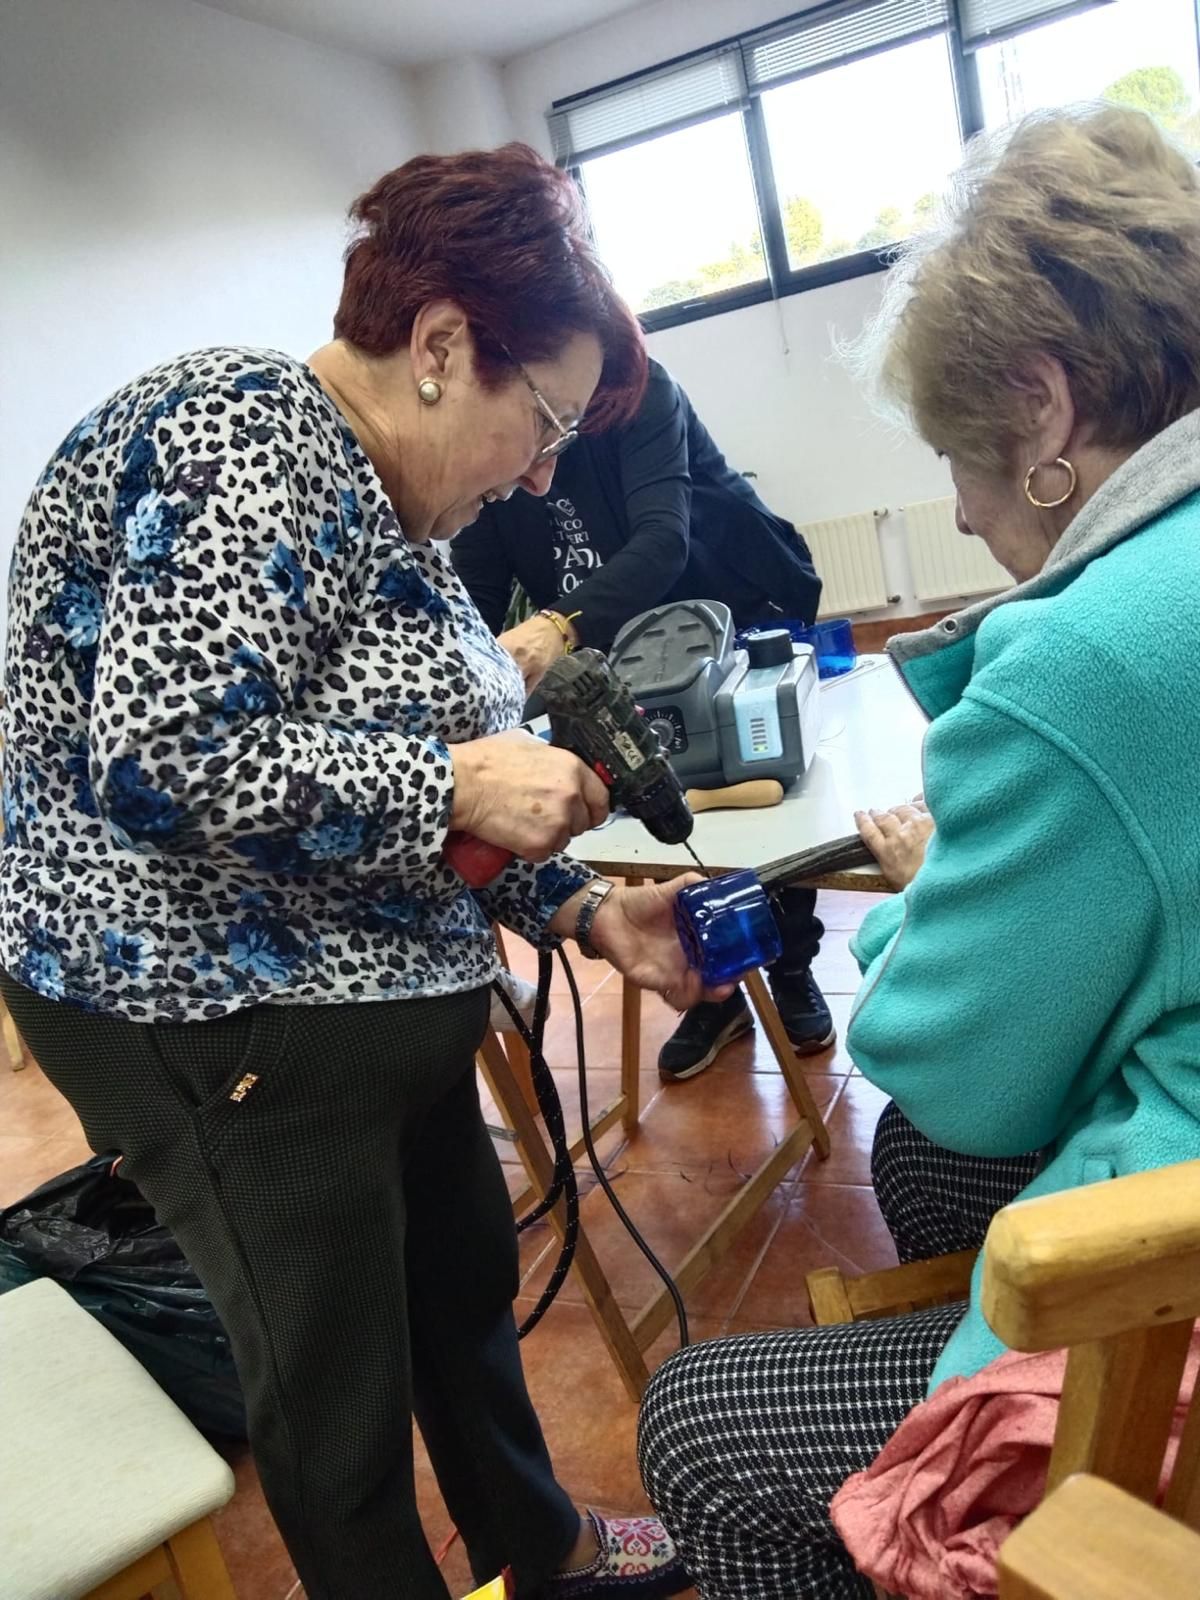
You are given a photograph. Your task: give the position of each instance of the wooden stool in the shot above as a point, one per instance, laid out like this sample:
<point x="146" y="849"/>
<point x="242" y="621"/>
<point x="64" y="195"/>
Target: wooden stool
<point x="105" y="1487"/>
<point x="14" y="1045"/>
<point x="627" y="1341"/>
<point x="506" y="1071"/>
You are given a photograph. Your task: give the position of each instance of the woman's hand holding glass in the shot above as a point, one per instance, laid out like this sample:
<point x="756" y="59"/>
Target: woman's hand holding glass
<point x="635" y="930"/>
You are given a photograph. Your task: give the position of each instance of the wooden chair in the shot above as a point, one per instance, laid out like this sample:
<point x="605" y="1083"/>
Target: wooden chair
<point x="1110" y="1272"/>
<point x="833" y="1297"/>
<point x="1092" y="1541"/>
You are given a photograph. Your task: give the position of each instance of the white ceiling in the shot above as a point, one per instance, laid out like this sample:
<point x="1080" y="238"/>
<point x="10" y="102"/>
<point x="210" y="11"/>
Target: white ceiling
<point x="415" y="32"/>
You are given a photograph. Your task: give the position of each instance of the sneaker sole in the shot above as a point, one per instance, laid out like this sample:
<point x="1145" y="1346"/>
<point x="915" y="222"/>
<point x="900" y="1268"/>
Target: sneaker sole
<point x="814" y="1047"/>
<point x="731" y="1031"/>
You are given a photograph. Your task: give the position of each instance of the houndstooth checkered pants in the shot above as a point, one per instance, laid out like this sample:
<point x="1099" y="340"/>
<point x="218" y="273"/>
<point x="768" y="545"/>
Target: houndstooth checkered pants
<point x="744" y="1441"/>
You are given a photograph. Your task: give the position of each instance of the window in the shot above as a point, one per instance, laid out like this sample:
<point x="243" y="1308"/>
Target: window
<point x="652" y="207"/>
<point x="860" y="151"/>
<point x="800" y="153"/>
<point x="1136" y="52"/>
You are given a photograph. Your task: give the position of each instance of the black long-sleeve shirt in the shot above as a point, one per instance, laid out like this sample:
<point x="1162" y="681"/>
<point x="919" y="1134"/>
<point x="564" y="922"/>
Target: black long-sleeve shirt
<point x="645" y="513"/>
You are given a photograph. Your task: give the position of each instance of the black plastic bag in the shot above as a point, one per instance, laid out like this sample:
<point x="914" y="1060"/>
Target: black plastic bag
<point x="92" y="1231"/>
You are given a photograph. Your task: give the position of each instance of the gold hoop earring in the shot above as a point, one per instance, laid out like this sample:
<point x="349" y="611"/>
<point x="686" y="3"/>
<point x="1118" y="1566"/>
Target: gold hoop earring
<point x="430" y="391"/>
<point x="1049" y="505"/>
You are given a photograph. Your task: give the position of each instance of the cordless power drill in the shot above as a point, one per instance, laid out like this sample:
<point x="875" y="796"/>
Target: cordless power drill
<point x="592" y="714"/>
<point x="725" y="924"/>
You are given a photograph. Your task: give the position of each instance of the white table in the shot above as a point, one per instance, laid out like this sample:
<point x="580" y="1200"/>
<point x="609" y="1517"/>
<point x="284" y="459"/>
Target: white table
<point x="869" y="755"/>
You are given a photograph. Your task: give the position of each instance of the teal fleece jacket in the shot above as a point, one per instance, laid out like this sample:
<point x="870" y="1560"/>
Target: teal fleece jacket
<point x="1037" y="986"/>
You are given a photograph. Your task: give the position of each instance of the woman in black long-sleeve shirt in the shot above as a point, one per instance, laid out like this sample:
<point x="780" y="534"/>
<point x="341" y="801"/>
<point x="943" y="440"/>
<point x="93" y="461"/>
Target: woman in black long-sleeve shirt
<point x="648" y="512"/>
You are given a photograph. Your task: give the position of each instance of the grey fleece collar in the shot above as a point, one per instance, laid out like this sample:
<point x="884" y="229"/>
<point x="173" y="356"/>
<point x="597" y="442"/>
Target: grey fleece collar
<point x="1156" y="477"/>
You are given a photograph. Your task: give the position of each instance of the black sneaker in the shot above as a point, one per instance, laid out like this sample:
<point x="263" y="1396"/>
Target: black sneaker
<point x="803" y="1012"/>
<point x="702" y="1034"/>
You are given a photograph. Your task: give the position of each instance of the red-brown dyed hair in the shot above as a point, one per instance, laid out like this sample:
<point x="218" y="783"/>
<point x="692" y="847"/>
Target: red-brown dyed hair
<point x="503" y="234"/>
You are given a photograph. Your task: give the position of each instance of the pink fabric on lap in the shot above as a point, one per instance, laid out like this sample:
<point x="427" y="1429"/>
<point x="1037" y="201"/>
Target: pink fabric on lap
<point x="928" y="1516"/>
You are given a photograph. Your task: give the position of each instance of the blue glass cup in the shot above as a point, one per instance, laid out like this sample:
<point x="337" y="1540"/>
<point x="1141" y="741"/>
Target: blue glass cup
<point x="833" y="641"/>
<point x="726" y="926"/>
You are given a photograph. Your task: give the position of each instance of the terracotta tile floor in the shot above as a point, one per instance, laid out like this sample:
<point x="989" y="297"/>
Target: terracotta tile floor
<point x="695" y="1143"/>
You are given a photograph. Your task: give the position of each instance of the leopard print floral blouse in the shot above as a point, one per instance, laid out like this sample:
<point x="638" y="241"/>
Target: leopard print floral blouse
<point x="230" y="682"/>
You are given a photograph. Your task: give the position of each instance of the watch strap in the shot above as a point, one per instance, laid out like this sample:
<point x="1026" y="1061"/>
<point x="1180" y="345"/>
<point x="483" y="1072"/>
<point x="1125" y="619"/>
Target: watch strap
<point x="596" y="893"/>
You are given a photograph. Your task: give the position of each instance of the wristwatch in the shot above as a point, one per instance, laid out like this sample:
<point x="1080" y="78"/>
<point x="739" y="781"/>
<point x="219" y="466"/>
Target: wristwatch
<point x="595" y="895"/>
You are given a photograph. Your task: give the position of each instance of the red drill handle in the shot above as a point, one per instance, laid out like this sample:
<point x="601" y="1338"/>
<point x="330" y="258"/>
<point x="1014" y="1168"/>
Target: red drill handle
<point x="475" y="861"/>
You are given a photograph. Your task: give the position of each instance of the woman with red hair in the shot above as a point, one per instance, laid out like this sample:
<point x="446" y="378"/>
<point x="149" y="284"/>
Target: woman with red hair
<point x="246" y="701"/>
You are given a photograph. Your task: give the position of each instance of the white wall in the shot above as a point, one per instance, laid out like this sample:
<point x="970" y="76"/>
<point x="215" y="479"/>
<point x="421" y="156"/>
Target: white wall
<point x="170" y="177"/>
<point x="765" y="380"/>
<point x="462" y="105"/>
<point x="780" y="403"/>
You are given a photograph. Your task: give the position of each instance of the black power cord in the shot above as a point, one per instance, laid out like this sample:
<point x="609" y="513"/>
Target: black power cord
<point x="598" y="1169"/>
<point x="563" y="1179"/>
<point x="563" y="1182"/>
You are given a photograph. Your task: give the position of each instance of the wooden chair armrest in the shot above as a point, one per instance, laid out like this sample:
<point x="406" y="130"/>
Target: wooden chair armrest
<point x="1096" y="1261"/>
<point x="1091" y="1541"/>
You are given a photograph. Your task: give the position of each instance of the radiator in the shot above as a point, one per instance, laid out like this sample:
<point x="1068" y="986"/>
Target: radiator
<point x="845" y="552"/>
<point x="945" y="563"/>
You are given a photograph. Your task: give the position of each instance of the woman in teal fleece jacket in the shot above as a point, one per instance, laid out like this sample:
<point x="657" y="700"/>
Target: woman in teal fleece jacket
<point x="1031" y="1000"/>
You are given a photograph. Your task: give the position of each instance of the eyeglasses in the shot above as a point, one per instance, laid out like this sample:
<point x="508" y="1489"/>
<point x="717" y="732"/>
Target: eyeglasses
<point x="566" y="435"/>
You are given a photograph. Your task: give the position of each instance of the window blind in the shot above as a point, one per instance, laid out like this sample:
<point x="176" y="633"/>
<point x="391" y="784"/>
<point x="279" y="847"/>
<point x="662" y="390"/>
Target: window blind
<point x="808" y="44"/>
<point x="986" y="21"/>
<point x="655" y="102"/>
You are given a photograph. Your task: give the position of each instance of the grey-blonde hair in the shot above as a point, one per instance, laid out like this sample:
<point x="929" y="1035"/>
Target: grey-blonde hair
<point x="1075" y="235"/>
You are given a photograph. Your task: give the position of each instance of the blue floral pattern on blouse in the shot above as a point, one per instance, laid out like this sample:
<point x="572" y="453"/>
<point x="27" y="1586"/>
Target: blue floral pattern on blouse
<point x="231" y="683"/>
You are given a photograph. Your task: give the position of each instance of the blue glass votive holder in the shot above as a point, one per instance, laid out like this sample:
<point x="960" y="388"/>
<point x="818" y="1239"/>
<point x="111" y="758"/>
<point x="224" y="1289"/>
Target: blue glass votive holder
<point x="726" y="926"/>
<point x="833" y="640"/>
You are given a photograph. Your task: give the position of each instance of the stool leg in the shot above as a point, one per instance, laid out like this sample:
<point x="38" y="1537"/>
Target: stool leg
<point x="609" y="1318"/>
<point x="631" y="1044"/>
<point x="198" y="1565"/>
<point x="14" y="1045"/>
<point x="514" y="1046"/>
<point x="802" y="1098"/>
